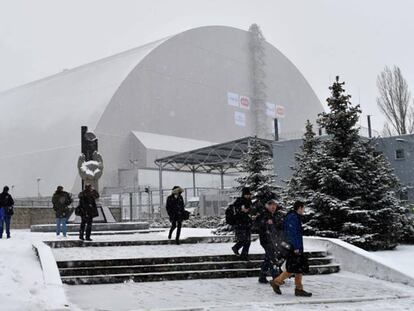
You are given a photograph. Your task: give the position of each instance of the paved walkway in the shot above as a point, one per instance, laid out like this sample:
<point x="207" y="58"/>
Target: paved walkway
<point x="341" y="291"/>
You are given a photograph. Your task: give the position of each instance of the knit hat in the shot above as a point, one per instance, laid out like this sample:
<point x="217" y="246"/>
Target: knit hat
<point x="177" y="190"/>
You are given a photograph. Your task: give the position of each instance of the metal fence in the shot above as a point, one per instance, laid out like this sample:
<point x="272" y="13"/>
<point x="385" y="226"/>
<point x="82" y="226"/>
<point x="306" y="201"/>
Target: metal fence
<point x="145" y="205"/>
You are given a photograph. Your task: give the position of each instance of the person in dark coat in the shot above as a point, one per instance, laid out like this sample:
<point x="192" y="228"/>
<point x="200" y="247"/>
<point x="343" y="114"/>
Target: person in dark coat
<point x="296" y="262"/>
<point x="243" y="224"/>
<point x="61" y="201"/>
<point x="87" y="203"/>
<point x="175" y="210"/>
<point x="270" y="226"/>
<point x="6" y="211"/>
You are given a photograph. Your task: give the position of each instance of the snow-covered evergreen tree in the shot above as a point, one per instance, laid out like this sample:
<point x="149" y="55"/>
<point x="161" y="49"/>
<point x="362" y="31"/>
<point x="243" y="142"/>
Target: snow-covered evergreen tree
<point x="350" y="189"/>
<point x="257" y="164"/>
<point x="257" y="167"/>
<point x="304" y="179"/>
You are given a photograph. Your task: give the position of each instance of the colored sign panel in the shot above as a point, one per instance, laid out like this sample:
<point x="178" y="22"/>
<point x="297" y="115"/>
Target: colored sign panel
<point x="240" y="118"/>
<point x="244" y="102"/>
<point x="280" y="111"/>
<point x="233" y="99"/>
<point x="271" y="110"/>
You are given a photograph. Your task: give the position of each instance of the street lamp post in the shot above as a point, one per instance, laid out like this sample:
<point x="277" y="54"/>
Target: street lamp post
<point x="135" y="182"/>
<point x="38" y="179"/>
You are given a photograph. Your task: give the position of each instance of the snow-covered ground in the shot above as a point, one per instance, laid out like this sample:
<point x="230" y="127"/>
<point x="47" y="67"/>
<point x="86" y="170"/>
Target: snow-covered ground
<point x="343" y="291"/>
<point x="22" y="283"/>
<point x="401" y="258"/>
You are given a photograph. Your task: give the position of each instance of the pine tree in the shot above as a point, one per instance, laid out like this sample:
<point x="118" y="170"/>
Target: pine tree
<point x="304" y="180"/>
<point x="257" y="165"/>
<point x="350" y="189"/>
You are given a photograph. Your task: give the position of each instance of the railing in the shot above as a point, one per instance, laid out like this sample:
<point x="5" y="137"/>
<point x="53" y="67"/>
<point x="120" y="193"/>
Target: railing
<point x="142" y="205"/>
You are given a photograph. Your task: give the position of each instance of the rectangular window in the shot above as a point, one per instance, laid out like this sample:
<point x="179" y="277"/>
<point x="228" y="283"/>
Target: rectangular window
<point x="403" y="196"/>
<point x="399" y="154"/>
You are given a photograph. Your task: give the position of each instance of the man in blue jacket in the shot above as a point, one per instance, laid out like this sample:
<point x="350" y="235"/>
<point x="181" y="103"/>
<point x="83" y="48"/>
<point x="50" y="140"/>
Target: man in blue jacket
<point x="296" y="262"/>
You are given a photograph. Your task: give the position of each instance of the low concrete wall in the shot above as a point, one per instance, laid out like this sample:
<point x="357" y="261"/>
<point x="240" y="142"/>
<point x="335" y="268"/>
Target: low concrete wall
<point x="26" y="216"/>
<point x="51" y="276"/>
<point x="357" y="260"/>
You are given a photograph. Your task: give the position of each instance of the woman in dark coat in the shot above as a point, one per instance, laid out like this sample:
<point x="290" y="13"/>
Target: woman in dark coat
<point x="175" y="210"/>
<point x="296" y="262"/>
<point x="87" y="203"/>
<point x="243" y="224"/>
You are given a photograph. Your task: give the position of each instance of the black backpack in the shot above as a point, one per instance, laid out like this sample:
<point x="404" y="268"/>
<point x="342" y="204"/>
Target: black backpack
<point x="231" y="215"/>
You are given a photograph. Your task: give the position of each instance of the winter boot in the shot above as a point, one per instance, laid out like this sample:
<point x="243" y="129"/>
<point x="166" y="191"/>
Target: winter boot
<point x="302" y="293"/>
<point x="263" y="280"/>
<point x="275" y="287"/>
<point x="235" y="250"/>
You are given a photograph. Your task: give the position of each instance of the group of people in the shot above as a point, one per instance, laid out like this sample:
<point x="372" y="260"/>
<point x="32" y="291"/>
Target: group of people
<point x="87" y="210"/>
<point x="281" y="238"/>
<point x="274" y="229"/>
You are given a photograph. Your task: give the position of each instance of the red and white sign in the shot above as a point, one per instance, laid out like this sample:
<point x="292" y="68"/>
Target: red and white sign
<point x="244" y="102"/>
<point x="280" y="111"/>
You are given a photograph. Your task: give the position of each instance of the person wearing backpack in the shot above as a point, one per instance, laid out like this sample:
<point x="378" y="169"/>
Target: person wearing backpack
<point x="6" y="211"/>
<point x="270" y="226"/>
<point x="61" y="201"/>
<point x="242" y="224"/>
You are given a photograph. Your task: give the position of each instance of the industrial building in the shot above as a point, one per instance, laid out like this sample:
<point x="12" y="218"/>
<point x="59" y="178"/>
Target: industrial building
<point x="188" y="91"/>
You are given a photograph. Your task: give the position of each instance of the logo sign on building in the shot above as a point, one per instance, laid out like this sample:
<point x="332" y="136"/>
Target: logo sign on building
<point x="240" y="118"/>
<point x="233" y="99"/>
<point x="280" y="112"/>
<point x="244" y="102"/>
<point x="271" y="110"/>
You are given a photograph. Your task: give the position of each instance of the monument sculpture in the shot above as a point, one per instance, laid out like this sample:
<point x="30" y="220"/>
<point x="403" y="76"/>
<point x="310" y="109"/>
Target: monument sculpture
<point x="90" y="168"/>
<point x="90" y="162"/>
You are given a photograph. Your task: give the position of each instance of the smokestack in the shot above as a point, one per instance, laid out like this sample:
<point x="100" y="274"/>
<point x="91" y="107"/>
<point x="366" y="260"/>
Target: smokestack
<point x="276" y="129"/>
<point x="369" y="126"/>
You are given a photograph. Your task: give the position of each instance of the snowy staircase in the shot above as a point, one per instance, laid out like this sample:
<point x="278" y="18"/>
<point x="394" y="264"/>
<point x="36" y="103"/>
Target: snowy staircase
<point x="175" y="268"/>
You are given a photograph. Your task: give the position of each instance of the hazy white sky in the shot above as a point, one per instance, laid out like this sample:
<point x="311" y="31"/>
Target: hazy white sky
<point x="323" y="38"/>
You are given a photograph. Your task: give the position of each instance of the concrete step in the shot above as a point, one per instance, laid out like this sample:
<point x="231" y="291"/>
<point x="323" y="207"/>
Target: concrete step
<point x="190" y="240"/>
<point x="181" y="275"/>
<point x="121" y="232"/>
<point x="165" y="260"/>
<point x="156" y="268"/>
<point x="117" y="226"/>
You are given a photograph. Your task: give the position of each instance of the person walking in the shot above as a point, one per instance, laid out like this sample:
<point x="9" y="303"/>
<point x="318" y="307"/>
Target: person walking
<point x="61" y="201"/>
<point x="243" y="224"/>
<point x="270" y="227"/>
<point x="176" y="211"/>
<point x="296" y="262"/>
<point x="6" y="211"/>
<point x="89" y="210"/>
